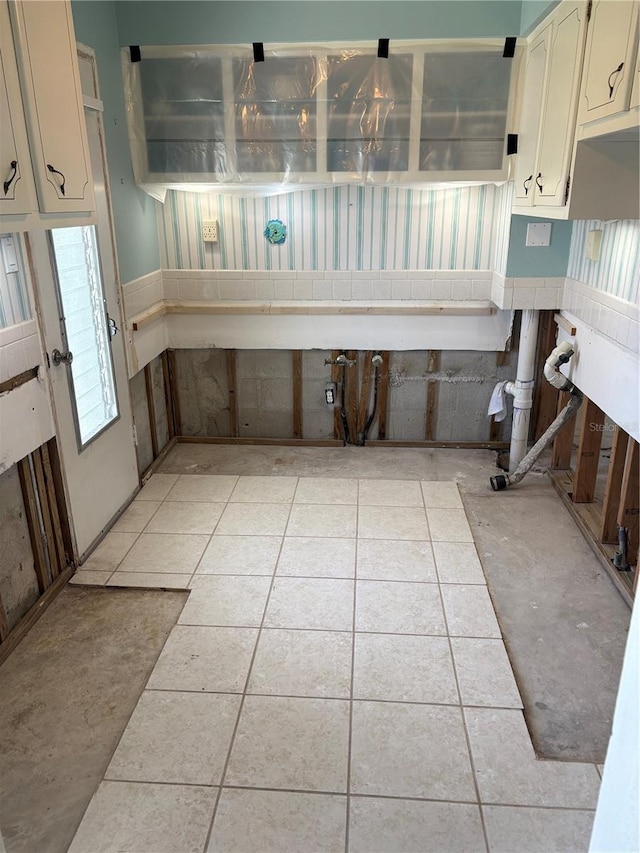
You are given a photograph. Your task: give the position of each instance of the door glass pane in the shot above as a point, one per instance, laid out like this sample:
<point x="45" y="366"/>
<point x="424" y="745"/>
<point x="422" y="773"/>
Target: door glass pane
<point x="85" y="329"/>
<point x="15" y="306"/>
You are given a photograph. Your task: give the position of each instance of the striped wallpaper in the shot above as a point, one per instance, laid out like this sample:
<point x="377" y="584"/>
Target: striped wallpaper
<point x="618" y="270"/>
<point x="338" y="228"/>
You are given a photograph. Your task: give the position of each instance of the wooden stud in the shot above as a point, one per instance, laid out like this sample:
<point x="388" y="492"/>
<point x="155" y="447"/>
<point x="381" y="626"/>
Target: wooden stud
<point x="52" y="500"/>
<point x="232" y="380"/>
<point x="33" y="522"/>
<point x="297" y="393"/>
<point x="4" y="626"/>
<point x="584" y="481"/>
<point x="61" y="501"/>
<point x="17" y="381"/>
<point x="433" y="388"/>
<point x="365" y="392"/>
<point x="45" y="513"/>
<point x="611" y="503"/>
<point x="563" y="442"/>
<point x="352" y="394"/>
<point x="168" y="397"/>
<point x="630" y="500"/>
<point x="383" y="396"/>
<point x="151" y="409"/>
<point x="332" y="442"/>
<point x="337" y="378"/>
<point x="175" y="392"/>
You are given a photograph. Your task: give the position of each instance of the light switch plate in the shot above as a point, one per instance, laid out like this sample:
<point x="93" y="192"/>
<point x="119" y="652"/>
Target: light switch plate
<point x="538" y="234"/>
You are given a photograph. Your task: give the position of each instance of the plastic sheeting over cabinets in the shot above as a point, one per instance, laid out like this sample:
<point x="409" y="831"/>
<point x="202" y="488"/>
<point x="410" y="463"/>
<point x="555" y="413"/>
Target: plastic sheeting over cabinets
<point x="213" y="118"/>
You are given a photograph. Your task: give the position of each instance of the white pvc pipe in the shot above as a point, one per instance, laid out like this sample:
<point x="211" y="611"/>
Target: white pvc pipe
<point x="523" y="391"/>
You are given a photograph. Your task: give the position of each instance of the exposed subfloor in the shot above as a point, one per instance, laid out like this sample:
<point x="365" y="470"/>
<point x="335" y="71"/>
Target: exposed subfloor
<point x="66" y="694"/>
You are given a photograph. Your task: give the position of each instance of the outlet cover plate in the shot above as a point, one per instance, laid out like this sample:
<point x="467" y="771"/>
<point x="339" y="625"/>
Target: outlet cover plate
<point x="594" y="242"/>
<point x="210" y="231"/>
<point x="538" y="234"/>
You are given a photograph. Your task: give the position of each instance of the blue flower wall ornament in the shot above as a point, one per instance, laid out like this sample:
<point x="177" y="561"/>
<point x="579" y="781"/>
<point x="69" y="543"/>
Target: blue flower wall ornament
<point x="275" y="232"/>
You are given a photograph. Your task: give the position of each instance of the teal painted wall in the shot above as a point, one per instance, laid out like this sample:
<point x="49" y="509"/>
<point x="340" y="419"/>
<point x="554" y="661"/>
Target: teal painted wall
<point x="538" y="261"/>
<point x="533" y="11"/>
<point x="213" y="22"/>
<point x="133" y="210"/>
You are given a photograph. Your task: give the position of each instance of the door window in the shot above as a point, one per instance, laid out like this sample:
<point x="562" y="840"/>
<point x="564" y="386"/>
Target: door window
<point x="85" y="330"/>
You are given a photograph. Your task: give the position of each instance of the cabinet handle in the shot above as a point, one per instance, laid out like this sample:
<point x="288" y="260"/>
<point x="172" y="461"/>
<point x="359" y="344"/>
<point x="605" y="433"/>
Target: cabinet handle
<point x="9" y="181"/>
<point x="56" y="172"/>
<point x="526" y="183"/>
<point x="615" y="71"/>
<point x="538" y="184"/>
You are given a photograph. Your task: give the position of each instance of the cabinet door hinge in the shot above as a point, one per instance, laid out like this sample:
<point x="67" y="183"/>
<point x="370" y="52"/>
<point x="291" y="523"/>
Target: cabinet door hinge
<point x="566" y="190"/>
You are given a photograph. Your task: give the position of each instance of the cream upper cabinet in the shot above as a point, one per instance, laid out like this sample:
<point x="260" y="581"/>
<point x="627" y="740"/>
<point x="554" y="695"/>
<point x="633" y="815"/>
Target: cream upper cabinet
<point x="635" y="91"/>
<point x="15" y="165"/>
<point x="46" y="51"/>
<point x="549" y="106"/>
<point x="610" y="59"/>
<point x="531" y="111"/>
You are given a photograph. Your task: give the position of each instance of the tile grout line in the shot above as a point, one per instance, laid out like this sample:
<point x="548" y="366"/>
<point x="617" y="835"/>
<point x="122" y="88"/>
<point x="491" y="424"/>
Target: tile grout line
<point x="248" y="678"/>
<point x="353" y="654"/>
<point x="462" y="715"/>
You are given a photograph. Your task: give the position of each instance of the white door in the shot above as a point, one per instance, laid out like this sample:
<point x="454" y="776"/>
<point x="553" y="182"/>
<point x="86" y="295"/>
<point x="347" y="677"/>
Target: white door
<point x="80" y="313"/>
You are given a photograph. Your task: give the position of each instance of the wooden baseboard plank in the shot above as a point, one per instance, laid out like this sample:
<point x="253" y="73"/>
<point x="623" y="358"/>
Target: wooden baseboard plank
<point x="32" y="615"/>
<point x="276" y="442"/>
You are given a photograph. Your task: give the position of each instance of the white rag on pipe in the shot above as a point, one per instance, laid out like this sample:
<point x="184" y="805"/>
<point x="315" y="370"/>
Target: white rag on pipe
<point x="498" y="403"/>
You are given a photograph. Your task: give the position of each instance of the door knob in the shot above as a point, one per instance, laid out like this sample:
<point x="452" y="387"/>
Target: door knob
<point x="59" y="358"/>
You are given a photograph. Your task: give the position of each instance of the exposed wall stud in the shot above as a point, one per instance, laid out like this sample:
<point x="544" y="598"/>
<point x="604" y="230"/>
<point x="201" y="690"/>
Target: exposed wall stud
<point x="433" y="388"/>
<point x="351" y="376"/>
<point x="175" y="394"/>
<point x="545" y="396"/>
<point x="151" y="409"/>
<point x="584" y="481"/>
<point x="168" y="395"/>
<point x="365" y="393"/>
<point x="33" y="521"/>
<point x="41" y="496"/>
<point x="232" y="372"/>
<point x="52" y="500"/>
<point x="337" y="377"/>
<point x="611" y="504"/>
<point x="383" y="396"/>
<point x="630" y="501"/>
<point x="563" y="442"/>
<point x="297" y="393"/>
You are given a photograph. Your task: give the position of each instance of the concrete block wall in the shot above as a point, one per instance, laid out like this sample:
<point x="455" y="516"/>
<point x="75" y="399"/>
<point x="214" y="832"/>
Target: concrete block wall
<point x="265" y="393"/>
<point x="203" y="392"/>
<point x="264" y="384"/>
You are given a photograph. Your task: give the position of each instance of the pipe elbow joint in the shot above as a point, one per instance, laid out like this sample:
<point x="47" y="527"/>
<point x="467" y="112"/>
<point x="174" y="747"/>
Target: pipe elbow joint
<point x="560" y="355"/>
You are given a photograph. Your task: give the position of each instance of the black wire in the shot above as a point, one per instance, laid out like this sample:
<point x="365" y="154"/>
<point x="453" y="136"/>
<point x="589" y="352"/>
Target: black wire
<point x="367" y="426"/>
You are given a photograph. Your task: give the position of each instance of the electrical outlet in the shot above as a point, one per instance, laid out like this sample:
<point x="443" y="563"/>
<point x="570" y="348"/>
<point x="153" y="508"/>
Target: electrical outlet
<point x="210" y="231"/>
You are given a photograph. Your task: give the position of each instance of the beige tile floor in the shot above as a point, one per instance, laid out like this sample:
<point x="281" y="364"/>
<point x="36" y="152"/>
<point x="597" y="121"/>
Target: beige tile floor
<point x="337" y="680"/>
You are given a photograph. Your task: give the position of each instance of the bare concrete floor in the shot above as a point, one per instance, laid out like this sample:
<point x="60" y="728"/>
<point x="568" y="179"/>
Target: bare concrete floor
<point x="563" y="622"/>
<point x="66" y="695"/>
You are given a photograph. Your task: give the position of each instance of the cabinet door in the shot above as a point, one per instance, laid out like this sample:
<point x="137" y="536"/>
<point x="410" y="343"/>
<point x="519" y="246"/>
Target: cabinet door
<point x="558" y="124"/>
<point x="530" y="114"/>
<point x="53" y="105"/>
<point x="611" y="44"/>
<point x="15" y="165"/>
<point x="635" y="89"/>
